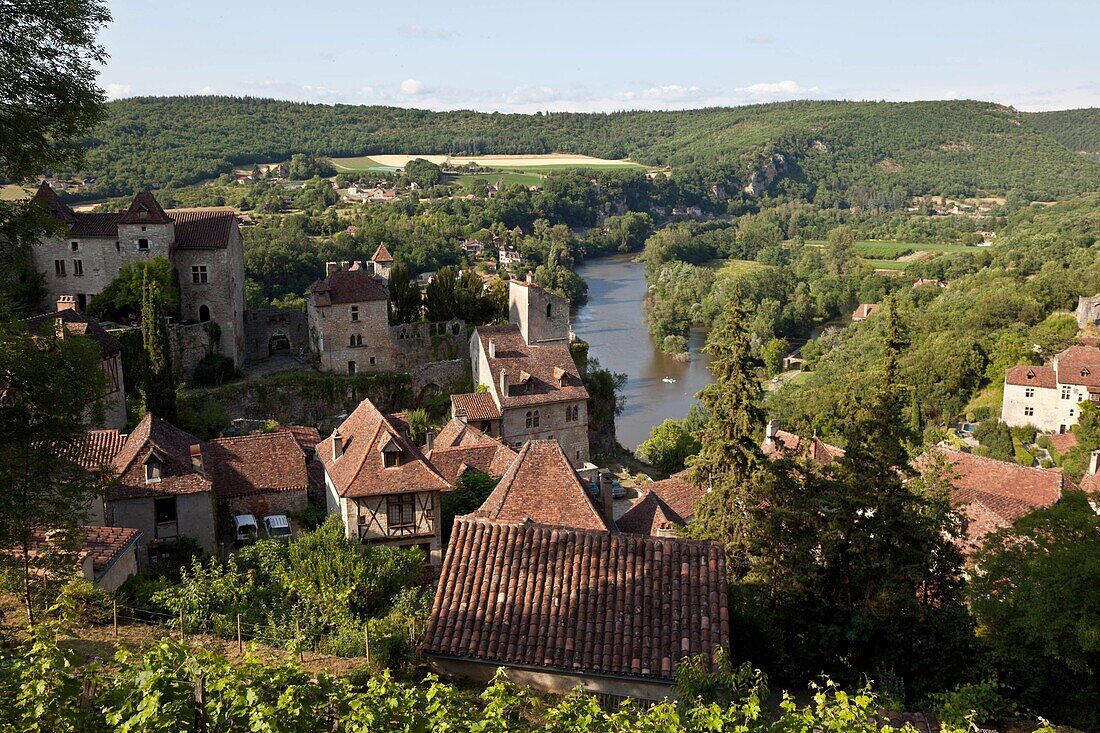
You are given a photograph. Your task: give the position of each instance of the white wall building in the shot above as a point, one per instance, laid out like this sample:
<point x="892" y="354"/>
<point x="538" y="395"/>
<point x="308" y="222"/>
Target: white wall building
<point x="1049" y="397"/>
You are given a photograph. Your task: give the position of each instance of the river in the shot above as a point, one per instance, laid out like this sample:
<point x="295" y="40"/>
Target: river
<point x="612" y="323"/>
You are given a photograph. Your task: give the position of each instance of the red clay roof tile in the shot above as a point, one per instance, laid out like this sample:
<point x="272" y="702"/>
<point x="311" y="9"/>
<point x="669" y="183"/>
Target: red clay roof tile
<point x="256" y="464"/>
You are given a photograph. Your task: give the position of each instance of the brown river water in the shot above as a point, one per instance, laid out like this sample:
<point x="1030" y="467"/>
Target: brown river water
<point x="613" y="324"/>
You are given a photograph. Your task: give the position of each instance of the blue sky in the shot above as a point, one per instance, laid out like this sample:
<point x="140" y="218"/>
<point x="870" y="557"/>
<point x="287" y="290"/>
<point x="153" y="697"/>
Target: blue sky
<point x="607" y="55"/>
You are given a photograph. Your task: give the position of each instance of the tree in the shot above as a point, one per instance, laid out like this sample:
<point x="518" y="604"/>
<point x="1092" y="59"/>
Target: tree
<point x="405" y="298"/>
<point x="423" y="173"/>
<point x="1037" y="602"/>
<point x="840" y="250"/>
<point x="159" y="383"/>
<point x="122" y="299"/>
<point x="669" y="446"/>
<point x="440" y="297"/>
<point x="51" y="385"/>
<point x="48" y="55"/>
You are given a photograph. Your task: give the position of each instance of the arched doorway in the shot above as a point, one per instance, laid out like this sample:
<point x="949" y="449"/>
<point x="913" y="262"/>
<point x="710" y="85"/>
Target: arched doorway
<point x="278" y="342"/>
<point x="204" y="313"/>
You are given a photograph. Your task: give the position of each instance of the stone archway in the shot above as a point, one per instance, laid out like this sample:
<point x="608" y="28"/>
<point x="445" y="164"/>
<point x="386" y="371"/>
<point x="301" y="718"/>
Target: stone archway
<point x="278" y="343"/>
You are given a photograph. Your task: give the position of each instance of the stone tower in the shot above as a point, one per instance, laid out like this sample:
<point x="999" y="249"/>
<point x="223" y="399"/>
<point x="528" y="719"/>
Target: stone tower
<point x="542" y="317"/>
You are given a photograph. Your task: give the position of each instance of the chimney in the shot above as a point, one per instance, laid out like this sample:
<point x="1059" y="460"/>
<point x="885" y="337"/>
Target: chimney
<point x="331" y="267"/>
<point x="357" y="265"/>
<point x="1094" y="461"/>
<point x="492" y="348"/>
<point x="196" y="458"/>
<point x="343" y="264"/>
<point x="606" y="500"/>
<point x="460" y="415"/>
<point x="430" y="440"/>
<point x="66" y="303"/>
<point x="503" y="383"/>
<point x="770" y="431"/>
<point x="337" y="444"/>
<point x="530" y="277"/>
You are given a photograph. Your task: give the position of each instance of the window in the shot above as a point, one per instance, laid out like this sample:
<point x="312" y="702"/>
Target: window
<point x="199" y="275"/>
<point x="152" y="471"/>
<point x="1065" y="392"/>
<point x="164" y="513"/>
<point x="391" y="458"/>
<point x="59" y="267"/>
<point x="351" y="367"/>
<point x="78" y="268"/>
<point x="401" y="510"/>
<point x="1072" y="412"/>
<point x="204" y="313"/>
<point x="549" y="309"/>
<point x="532" y="418"/>
<point x="572" y="413"/>
<point x="118" y="246"/>
<point x="74" y="245"/>
<point x="143" y="245"/>
<point x="372" y="361"/>
<point x="1029" y="411"/>
<point x="356" y="339"/>
<point x="578" y="455"/>
<point x="1029" y="392"/>
<point x="355" y="313"/>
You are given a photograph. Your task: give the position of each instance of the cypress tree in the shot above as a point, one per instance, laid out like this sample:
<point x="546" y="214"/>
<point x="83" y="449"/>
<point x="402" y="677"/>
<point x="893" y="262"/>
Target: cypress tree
<point x="159" y="389"/>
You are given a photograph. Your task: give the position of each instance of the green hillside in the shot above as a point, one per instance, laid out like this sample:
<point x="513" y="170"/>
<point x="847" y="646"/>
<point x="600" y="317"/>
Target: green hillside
<point x="828" y="152"/>
<point x="1077" y="129"/>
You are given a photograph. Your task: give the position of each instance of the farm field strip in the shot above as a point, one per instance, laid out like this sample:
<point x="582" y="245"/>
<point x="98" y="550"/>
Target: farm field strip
<point x="524" y="163"/>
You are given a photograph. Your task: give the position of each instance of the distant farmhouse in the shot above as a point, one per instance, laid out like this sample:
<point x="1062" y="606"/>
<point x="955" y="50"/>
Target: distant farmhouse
<point x="1049" y="397"/>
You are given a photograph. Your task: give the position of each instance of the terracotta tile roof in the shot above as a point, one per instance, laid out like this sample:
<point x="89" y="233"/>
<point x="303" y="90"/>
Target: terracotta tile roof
<point x="255" y="464"/>
<point x="460" y="446"/>
<point x="541" y="486"/>
<point x="649" y="515"/>
<point x="154" y="437"/>
<point x="78" y="324"/>
<point x="348" y="286"/>
<point x="144" y="209"/>
<point x="1031" y="376"/>
<point x="789" y="444"/>
<point x="679" y="494"/>
<point x="1078" y="365"/>
<point x="1062" y="442"/>
<point x="96" y="225"/>
<point x="204" y="228"/>
<point x="360" y="471"/>
<point x="864" y="310"/>
<point x="579" y="601"/>
<point x="46" y="197"/>
<point x="382" y="254"/>
<point x="532" y="379"/>
<point x="477" y="406"/>
<point x="106" y="545"/>
<point x="97" y="448"/>
<point x="994" y="493"/>
<point x="307" y="437"/>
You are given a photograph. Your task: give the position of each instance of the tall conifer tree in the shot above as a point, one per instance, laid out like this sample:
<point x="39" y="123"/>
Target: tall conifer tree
<point x="160" y="387"/>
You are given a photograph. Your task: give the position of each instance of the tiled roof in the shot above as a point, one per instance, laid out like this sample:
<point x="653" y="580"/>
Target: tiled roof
<point x="204" y="228"/>
<point x="1078" y="365"/>
<point x="864" y="310"/>
<point x="679" y="494"/>
<point x="96" y="225"/>
<point x="532" y="379"/>
<point x="97" y="448"/>
<point x="107" y="544"/>
<point x="78" y="324"/>
<point x="541" y="486"/>
<point x="649" y="515"/>
<point x="995" y="493"/>
<point x="477" y="406"/>
<point x="144" y="209"/>
<point x="1062" y="442"/>
<point x="1031" y="376"/>
<point x="789" y="444"/>
<point x="46" y="197"/>
<point x="255" y="464"/>
<point x="307" y="437"/>
<point x="382" y="254"/>
<point x="172" y="447"/>
<point x="348" y="286"/>
<point x="460" y="446"/>
<point x="578" y="601"/>
<point x="360" y="470"/>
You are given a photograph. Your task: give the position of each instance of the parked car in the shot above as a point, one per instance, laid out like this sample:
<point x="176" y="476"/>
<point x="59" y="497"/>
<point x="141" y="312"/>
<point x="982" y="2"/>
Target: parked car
<point x="277" y="527"/>
<point x="244" y="529"/>
<point x="617" y="490"/>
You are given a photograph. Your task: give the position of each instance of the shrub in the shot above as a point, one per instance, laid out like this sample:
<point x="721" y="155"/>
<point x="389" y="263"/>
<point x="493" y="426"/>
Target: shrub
<point x="85" y="602"/>
<point x="213" y="370"/>
<point x="979" y="704"/>
<point x="203" y="418"/>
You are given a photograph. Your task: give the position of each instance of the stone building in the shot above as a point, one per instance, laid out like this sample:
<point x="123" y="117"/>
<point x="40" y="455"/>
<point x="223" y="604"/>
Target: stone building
<point x="533" y="389"/>
<point x="382" y="261"/>
<point x="203" y="246"/>
<point x="68" y="322"/>
<point x="1088" y="311"/>
<point x="258" y="474"/>
<point x="380" y="484"/>
<point x="1049" y="397"/>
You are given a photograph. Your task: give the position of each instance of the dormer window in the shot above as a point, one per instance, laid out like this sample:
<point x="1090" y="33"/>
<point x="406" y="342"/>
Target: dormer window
<point x="1085" y="371"/>
<point x="152" y="470"/>
<point x="391" y="455"/>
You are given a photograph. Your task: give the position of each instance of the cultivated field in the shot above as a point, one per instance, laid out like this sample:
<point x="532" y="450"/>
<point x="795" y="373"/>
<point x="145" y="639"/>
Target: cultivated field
<point x="526" y="163"/>
<point x="13" y="192"/>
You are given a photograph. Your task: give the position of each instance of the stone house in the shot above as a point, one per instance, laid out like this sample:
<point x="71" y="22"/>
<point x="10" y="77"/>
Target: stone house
<point x="380" y="484"/>
<point x="161" y="487"/>
<point x="461" y="447"/>
<point x="348" y="316"/>
<point x="203" y="246"/>
<point x="662" y="508"/>
<point x="258" y="474"/>
<point x="1049" y="397"/>
<point x="107" y="556"/>
<point x="67" y="321"/>
<point x="780" y="444"/>
<point x="864" y="311"/>
<point x="532" y="387"/>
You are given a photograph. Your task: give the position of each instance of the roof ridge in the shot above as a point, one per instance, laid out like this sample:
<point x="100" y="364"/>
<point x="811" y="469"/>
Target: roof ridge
<point x="1011" y="464"/>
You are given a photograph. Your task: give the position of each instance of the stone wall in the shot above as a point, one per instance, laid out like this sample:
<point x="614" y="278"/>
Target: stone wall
<point x="1088" y="311"/>
<point x="266" y="328"/>
<point x="190" y="344"/>
<point x="262" y="505"/>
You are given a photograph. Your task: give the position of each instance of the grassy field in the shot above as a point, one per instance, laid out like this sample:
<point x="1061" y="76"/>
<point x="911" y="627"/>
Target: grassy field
<point x="901" y="246"/>
<point x="733" y="268"/>
<point x="13" y="192"/>
<point x="498" y="178"/>
<point x="887" y="264"/>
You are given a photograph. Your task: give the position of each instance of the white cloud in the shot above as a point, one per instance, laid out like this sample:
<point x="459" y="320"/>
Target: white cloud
<point x="761" y="39"/>
<point x="427" y="32"/>
<point x="776" y="90"/>
<point x="672" y="93"/>
<point x="412" y="87"/>
<point x="115" y="91"/>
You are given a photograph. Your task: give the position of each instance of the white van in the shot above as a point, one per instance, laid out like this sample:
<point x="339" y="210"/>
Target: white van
<point x="244" y="529"/>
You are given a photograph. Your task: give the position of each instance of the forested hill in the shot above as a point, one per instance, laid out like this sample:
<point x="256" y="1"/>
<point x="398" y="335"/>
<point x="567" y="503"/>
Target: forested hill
<point x="1077" y="129"/>
<point x="827" y="152"/>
